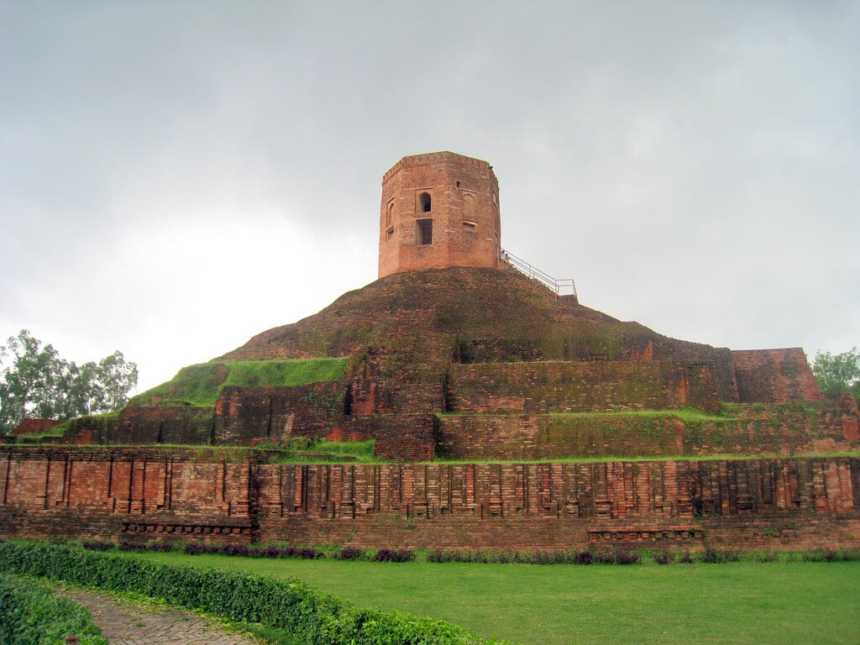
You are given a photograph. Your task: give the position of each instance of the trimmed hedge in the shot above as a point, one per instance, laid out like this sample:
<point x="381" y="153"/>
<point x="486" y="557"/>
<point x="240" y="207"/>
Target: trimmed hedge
<point x="30" y="613"/>
<point x="310" y="616"/>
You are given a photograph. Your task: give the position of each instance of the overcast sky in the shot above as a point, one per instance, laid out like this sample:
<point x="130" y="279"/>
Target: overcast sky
<point x="176" y="177"/>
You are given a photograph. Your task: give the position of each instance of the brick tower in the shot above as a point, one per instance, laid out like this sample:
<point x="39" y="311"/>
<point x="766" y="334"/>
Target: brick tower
<point x="439" y="210"/>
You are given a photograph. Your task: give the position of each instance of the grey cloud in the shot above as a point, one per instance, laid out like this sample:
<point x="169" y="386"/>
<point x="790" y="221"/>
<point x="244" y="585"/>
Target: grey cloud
<point x="693" y="165"/>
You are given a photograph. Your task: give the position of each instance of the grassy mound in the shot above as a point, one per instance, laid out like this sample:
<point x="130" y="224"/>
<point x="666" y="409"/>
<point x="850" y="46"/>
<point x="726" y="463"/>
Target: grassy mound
<point x="201" y="385"/>
<point x="476" y="316"/>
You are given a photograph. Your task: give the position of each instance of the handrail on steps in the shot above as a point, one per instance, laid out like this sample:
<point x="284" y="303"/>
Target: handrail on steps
<point x="561" y="286"/>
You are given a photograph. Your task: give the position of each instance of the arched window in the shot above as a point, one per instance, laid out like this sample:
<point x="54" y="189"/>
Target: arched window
<point x="389" y="214"/>
<point x="424" y="202"/>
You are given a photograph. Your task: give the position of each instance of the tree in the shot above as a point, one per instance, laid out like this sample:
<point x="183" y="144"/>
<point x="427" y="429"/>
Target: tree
<point x="36" y="382"/>
<point x="29" y="377"/>
<point x="838" y="373"/>
<point x="115" y="377"/>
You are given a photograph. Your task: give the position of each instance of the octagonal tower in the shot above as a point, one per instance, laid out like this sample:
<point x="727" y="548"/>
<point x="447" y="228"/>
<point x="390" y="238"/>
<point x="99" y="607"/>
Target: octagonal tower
<point x="439" y="210"/>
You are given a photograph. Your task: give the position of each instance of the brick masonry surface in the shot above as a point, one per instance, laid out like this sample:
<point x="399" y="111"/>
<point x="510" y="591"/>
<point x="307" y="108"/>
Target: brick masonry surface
<point x="580" y="386"/>
<point x="510" y="410"/>
<point x="775" y="375"/>
<point x="126" y="494"/>
<point x="766" y="429"/>
<point x="457" y="196"/>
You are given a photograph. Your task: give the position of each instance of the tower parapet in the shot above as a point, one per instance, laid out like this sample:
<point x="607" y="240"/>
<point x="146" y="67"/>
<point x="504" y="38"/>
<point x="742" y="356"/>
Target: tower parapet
<point x="439" y="210"/>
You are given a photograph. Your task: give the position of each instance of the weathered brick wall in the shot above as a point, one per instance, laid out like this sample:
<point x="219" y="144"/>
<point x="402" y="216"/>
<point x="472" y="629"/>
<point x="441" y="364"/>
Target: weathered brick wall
<point x="408" y="437"/>
<point x="773" y="430"/>
<point x="31" y="426"/>
<point x="169" y="494"/>
<point x="746" y="504"/>
<point x="248" y="415"/>
<point x="774" y="375"/>
<point x="174" y="424"/>
<point x="152" y="424"/>
<point x="718" y="360"/>
<point x="123" y="494"/>
<point x="389" y="382"/>
<point x="579" y="386"/>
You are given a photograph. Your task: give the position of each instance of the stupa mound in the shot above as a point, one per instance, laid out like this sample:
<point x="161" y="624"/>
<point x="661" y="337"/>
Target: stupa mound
<point x="483" y="363"/>
<point x="488" y="409"/>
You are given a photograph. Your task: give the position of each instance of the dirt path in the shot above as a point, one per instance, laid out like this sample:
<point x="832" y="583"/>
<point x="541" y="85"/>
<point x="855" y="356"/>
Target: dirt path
<point x="127" y="624"/>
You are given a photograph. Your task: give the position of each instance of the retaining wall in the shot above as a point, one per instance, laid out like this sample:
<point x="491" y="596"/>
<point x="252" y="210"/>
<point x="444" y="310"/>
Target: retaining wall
<point x="784" y="430"/>
<point x="186" y="495"/>
<point x="580" y="386"/>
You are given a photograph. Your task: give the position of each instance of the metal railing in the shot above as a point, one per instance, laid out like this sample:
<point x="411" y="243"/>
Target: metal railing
<point x="561" y="286"/>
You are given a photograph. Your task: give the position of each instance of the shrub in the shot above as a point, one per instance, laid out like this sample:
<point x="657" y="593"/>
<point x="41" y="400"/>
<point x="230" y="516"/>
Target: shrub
<point x="603" y="557"/>
<point x="31" y="613"/>
<point x="235" y="549"/>
<point x="194" y="548"/>
<point x="310" y="554"/>
<point x="128" y="546"/>
<point x="290" y="605"/>
<point x="98" y="546"/>
<point x="394" y="555"/>
<point x="831" y="555"/>
<point x="712" y="556"/>
<point x="686" y="558"/>
<point x="350" y="553"/>
<point x="623" y="556"/>
<point x="584" y="557"/>
<point x="664" y="557"/>
<point x="145" y="546"/>
<point x="618" y="556"/>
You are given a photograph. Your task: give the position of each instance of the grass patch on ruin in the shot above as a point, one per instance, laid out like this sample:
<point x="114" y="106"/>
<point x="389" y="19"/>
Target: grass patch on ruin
<point x="201" y="385"/>
<point x="688" y="415"/>
<point x="339" y="452"/>
<point x="620" y="458"/>
<point x="738" y="602"/>
<point x="362" y="449"/>
<point x="59" y="431"/>
<point x="285" y="373"/>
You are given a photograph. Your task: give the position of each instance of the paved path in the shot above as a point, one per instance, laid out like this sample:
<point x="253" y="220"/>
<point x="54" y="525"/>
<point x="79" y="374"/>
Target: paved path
<point x="124" y="623"/>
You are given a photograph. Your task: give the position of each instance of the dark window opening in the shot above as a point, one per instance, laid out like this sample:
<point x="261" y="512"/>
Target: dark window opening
<point x="425" y="231"/>
<point x="347" y="402"/>
<point x="424" y="201"/>
<point x="389" y="233"/>
<point x="389" y="215"/>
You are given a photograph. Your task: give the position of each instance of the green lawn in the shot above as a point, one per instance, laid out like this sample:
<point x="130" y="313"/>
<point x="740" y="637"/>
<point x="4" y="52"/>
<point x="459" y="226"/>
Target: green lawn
<point x="743" y="602"/>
